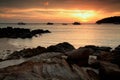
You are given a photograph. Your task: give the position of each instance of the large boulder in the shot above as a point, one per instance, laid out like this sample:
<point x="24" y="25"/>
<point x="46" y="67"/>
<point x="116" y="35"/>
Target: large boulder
<point x="116" y="55"/>
<point x="61" y="47"/>
<point x="105" y="56"/>
<point x="109" y="71"/>
<point x="97" y="48"/>
<point x="46" y="66"/>
<point x="79" y="56"/>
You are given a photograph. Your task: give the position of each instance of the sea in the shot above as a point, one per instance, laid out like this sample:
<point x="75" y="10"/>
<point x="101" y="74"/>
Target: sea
<point x="77" y="35"/>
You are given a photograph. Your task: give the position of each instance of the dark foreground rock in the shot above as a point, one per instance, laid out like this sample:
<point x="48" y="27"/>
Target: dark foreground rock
<point x="79" y="56"/>
<point x="27" y="53"/>
<point x="61" y="47"/>
<point x="10" y="32"/>
<point x="47" y="67"/>
<point x="116" y="55"/>
<point x="109" y="71"/>
<point x="63" y="62"/>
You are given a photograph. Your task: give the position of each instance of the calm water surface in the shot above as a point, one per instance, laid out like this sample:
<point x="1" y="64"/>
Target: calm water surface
<point x="77" y="35"/>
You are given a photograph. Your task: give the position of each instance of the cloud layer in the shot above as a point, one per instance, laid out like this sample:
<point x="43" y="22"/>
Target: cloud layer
<point x="24" y="8"/>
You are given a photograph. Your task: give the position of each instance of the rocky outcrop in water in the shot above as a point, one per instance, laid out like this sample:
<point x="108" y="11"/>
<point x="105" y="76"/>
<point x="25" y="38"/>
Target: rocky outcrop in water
<point x="49" y="23"/>
<point x="64" y="62"/>
<point x="27" y="53"/>
<point x="10" y="32"/>
<point x="76" y="23"/>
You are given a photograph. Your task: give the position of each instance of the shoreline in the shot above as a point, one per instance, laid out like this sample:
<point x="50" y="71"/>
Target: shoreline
<point x="63" y="60"/>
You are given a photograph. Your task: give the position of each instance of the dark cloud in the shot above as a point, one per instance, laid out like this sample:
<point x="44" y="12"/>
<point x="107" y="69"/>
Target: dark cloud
<point x="6" y="7"/>
<point x="78" y="4"/>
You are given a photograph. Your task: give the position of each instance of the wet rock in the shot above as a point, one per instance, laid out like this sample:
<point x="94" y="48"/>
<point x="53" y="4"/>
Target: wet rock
<point x="47" y="66"/>
<point x="116" y="55"/>
<point x="97" y="48"/>
<point x="86" y="73"/>
<point x="105" y="56"/>
<point x="109" y="71"/>
<point x="61" y="47"/>
<point x="10" y="32"/>
<point x="79" y="56"/>
<point x="26" y="53"/>
<point x="107" y="49"/>
<point x="92" y="47"/>
<point x="53" y="68"/>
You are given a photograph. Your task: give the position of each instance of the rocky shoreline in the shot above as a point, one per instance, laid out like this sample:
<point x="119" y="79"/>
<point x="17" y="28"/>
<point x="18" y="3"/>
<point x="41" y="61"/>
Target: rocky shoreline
<point x="10" y="32"/>
<point x="63" y="62"/>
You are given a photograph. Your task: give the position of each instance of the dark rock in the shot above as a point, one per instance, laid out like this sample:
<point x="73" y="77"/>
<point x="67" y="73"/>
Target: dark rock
<point x="93" y="75"/>
<point x="97" y="48"/>
<point x="116" y="55"/>
<point x="79" y="56"/>
<point x="92" y="47"/>
<point x="105" y="56"/>
<point x="10" y="32"/>
<point x="52" y="68"/>
<point x="107" y="49"/>
<point x="61" y="47"/>
<point x="26" y="53"/>
<point x="86" y="73"/>
<point x="47" y="66"/>
<point x="109" y="71"/>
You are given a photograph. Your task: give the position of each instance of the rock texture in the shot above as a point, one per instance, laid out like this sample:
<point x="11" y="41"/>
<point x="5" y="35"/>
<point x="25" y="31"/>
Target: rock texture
<point x="50" y="67"/>
<point x="61" y="47"/>
<point x="62" y="62"/>
<point x="109" y="71"/>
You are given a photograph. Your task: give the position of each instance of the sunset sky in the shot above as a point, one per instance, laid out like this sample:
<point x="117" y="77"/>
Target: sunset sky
<point x="84" y="11"/>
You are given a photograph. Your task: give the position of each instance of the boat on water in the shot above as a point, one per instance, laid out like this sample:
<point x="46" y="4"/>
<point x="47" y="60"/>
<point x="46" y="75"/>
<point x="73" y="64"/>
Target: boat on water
<point x="21" y="23"/>
<point x="76" y="23"/>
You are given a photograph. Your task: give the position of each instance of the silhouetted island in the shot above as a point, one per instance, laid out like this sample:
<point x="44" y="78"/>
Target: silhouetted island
<point x="76" y="23"/>
<point x="113" y="20"/>
<point x="64" y="24"/>
<point x="21" y="23"/>
<point x="10" y="32"/>
<point x="50" y="23"/>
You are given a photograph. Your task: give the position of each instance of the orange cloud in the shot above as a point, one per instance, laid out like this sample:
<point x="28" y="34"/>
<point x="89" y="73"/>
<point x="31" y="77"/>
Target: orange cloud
<point x="46" y="3"/>
<point x="55" y="15"/>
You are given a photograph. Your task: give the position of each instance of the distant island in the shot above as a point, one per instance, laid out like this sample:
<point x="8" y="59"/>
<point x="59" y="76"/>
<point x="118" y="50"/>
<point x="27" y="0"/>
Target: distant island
<point x="49" y="23"/>
<point x="10" y="32"/>
<point x="76" y="23"/>
<point x="21" y="23"/>
<point x="113" y="20"/>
